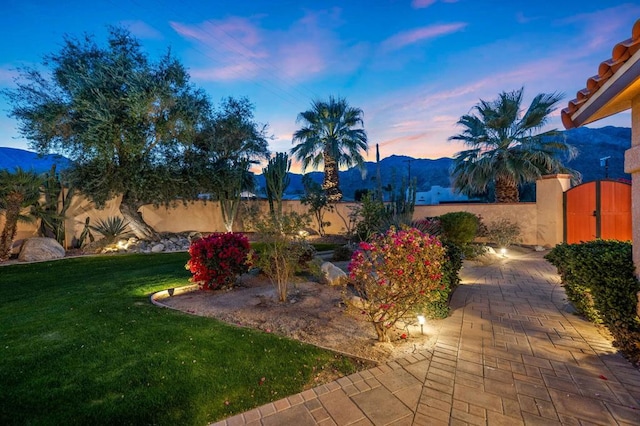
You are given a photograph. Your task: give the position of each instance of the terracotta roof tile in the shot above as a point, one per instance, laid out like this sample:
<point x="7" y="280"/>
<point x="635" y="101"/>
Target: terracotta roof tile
<point x="619" y="56"/>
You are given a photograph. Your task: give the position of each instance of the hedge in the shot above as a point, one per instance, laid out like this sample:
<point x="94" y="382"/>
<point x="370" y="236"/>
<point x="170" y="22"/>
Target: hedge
<point x="599" y="279"/>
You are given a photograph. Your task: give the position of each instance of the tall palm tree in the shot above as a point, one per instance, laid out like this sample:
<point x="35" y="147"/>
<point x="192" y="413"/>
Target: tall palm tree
<point x="505" y="149"/>
<point x="332" y="134"/>
<point x="18" y="190"/>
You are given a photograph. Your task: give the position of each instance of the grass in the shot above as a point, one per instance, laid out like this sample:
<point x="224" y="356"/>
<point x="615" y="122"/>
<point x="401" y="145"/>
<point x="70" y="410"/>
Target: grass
<point x="81" y="344"/>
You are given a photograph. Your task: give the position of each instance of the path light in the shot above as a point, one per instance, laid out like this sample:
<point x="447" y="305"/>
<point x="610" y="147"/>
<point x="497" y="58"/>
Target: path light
<point x="421" y="322"/>
<point x="503" y="252"/>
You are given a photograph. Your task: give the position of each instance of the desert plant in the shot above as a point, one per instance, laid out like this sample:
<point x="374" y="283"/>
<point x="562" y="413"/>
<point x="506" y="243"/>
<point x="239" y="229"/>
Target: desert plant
<point x="52" y="208"/>
<point x="402" y="205"/>
<point x="283" y="251"/>
<point x="503" y="232"/>
<point x="276" y="176"/>
<point x="111" y="228"/>
<point x="394" y="273"/>
<point x="428" y="225"/>
<point x="371" y="214"/>
<point x="318" y="202"/>
<point x="18" y="191"/>
<point x="217" y="260"/>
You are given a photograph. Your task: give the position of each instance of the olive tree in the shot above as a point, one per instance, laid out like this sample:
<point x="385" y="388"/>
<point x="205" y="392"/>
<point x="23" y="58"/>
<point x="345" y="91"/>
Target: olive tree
<point x="123" y="119"/>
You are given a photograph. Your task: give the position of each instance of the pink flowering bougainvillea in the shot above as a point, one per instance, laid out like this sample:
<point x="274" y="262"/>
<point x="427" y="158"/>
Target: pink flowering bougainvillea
<point x="394" y="273"/>
<point x="217" y="260"/>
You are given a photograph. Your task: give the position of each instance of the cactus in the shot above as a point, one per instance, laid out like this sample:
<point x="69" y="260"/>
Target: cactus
<point x="53" y="208"/>
<point x="276" y="176"/>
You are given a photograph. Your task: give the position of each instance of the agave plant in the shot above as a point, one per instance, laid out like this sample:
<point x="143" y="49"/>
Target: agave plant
<point x="111" y="228"/>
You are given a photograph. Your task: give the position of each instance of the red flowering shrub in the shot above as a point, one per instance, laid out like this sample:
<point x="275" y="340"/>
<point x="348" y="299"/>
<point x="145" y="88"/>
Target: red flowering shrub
<point x="217" y="260"/>
<point x="395" y="273"/>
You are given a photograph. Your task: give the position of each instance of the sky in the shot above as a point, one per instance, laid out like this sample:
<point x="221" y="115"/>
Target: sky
<point x="414" y="67"/>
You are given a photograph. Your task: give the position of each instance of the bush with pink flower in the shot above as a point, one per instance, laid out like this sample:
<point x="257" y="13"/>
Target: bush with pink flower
<point x="217" y="260"/>
<point x="395" y="273"/>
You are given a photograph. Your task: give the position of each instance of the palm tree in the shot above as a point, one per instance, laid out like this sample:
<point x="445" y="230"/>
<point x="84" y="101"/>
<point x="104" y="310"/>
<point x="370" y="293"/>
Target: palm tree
<point x="18" y="190"/>
<point x="505" y="149"/>
<point x="332" y="134"/>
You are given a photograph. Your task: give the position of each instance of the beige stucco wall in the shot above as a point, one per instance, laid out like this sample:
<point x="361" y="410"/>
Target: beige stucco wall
<point x="541" y="223"/>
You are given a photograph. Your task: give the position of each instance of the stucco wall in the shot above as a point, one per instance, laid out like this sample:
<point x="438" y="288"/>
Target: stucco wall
<point x="540" y="223"/>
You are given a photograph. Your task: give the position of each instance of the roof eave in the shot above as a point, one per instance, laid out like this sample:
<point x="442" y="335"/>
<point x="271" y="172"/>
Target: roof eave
<point x="613" y="97"/>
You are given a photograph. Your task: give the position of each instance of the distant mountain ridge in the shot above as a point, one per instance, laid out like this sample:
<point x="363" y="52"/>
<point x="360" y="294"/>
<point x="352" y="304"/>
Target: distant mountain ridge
<point x="592" y="144"/>
<point x="10" y="158"/>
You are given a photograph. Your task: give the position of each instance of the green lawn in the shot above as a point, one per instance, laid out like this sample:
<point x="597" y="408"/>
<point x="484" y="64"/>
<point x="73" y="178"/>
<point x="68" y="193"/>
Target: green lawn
<point x="81" y="344"/>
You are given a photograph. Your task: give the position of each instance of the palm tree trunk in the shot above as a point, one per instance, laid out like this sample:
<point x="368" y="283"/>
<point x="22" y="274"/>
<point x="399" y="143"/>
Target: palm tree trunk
<point x="506" y="190"/>
<point x="331" y="182"/>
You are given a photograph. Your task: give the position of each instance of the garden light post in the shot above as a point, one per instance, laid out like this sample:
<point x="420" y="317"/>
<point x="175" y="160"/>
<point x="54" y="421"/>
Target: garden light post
<point x="421" y="322"/>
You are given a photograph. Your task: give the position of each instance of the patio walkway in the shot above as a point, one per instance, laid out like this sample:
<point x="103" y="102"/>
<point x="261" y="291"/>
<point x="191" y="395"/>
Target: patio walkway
<point x="511" y="353"/>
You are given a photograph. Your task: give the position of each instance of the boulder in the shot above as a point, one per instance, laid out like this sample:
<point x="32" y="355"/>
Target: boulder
<point x="332" y="275"/>
<point x="39" y="249"/>
<point x="158" y="248"/>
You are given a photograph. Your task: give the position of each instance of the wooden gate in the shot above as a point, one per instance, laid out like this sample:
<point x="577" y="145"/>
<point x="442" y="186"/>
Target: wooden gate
<point x="599" y="209"/>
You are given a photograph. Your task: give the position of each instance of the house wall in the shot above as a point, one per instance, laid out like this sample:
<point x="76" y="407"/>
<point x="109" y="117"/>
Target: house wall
<point x="632" y="165"/>
<point x="541" y="223"/>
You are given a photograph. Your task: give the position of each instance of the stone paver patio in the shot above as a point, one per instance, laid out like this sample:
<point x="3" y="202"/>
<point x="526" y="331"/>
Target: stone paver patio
<point x="511" y="353"/>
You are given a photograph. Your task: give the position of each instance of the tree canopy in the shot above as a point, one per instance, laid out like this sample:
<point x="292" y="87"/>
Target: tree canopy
<point x="505" y="147"/>
<point x="333" y="135"/>
<point x="122" y="119"/>
<point x="224" y="149"/>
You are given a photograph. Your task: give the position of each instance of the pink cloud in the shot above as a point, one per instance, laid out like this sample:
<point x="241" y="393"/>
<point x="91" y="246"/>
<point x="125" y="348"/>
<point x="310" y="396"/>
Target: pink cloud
<point x="236" y="36"/>
<point x="301" y="58"/>
<point x="406" y="38"/>
<point x="240" y="49"/>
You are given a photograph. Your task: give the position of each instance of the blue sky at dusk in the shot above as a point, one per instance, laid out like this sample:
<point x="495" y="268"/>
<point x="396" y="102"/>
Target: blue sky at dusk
<point x="413" y="66"/>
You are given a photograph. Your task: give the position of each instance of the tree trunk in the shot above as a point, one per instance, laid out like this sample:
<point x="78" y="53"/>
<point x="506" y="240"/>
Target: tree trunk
<point x="229" y="209"/>
<point x="331" y="182"/>
<point x="506" y="190"/>
<point x="14" y="201"/>
<point x="381" y="331"/>
<point x="136" y="223"/>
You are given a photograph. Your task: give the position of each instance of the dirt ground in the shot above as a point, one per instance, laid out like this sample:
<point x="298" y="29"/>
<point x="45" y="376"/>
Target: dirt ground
<point x="314" y="313"/>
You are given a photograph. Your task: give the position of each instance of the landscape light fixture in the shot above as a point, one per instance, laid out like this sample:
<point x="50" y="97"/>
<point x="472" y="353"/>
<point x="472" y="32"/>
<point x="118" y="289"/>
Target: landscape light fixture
<point x="421" y="322"/>
<point x="503" y="252"/>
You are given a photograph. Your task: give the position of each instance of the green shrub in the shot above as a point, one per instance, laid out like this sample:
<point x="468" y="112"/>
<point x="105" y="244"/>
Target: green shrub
<point x="342" y="253"/>
<point x="503" y="232"/>
<point x="459" y="227"/>
<point x="439" y="308"/>
<point x="599" y="280"/>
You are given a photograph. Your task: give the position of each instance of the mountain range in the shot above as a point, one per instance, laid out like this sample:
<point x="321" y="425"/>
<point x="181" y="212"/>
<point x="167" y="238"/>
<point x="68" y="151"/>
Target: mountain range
<point x="592" y="145"/>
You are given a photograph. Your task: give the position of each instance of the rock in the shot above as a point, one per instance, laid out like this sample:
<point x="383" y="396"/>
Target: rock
<point x="157" y="248"/>
<point x="539" y="248"/>
<point x="332" y="275"/>
<point x="358" y="302"/>
<point x="39" y="249"/>
<point x="490" y="250"/>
